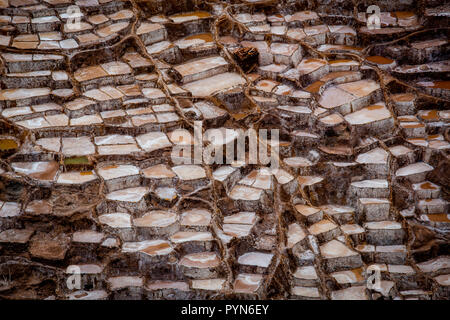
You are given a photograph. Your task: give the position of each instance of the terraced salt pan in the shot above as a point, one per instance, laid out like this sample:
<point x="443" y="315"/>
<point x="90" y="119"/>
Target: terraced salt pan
<point x="296" y="109"/>
<point x="443" y="280"/>
<point x="368" y="201"/>
<point x="116" y="220"/>
<point x="45" y="170"/>
<point x="196" y="217"/>
<point x="88" y="295"/>
<point x="200" y="260"/>
<point x="322" y="226"/>
<point x="278" y="30"/>
<point x="23" y="93"/>
<point x="283" y="49"/>
<point x="159" y="171"/>
<point x="296" y="33"/>
<point x="19" y="111"/>
<point x="348" y="276"/>
<point x="332" y="119"/>
<point x="307" y="211"/>
<point x="442" y="262"/>
<point x="376" y="183"/>
<point x="241" y="218"/>
<point x="307" y="272"/>
<point x="399" y="150"/>
<point x="383" y="225"/>
<point x="259" y="259"/>
<point x="88" y="236"/>
<point x="80" y="146"/>
<point x="189" y="172"/>
<point x="342" y="29"/>
<point x="307" y="66"/>
<point x="82" y="121"/>
<point x="156" y="219"/>
<point x="112" y="29"/>
<point x="298" y="162"/>
<point x="282" y="176"/>
<point x="104" y="94"/>
<point x="368" y="115"/>
<point x="153" y="93"/>
<point x="332" y="48"/>
<point x="153" y="141"/>
<point x="35" y="123"/>
<point x="415" y="168"/>
<point x="274" y="68"/>
<point x="247" y="283"/>
<point x="151" y="32"/>
<point x="261" y="179"/>
<point x="129" y="247"/>
<point x="309" y="292"/>
<point x="78" y="104"/>
<point x="246" y="18"/>
<point x="187" y="236"/>
<point x="9" y="209"/>
<point x="208" y="284"/>
<point x="352" y="229"/>
<point x="128" y="195"/>
<point x="439" y="145"/>
<point x="211" y="85"/>
<point x="209" y="111"/>
<point x="309" y="180"/>
<point x="16" y="235"/>
<point x="260" y="29"/>
<point x="76" y="177"/>
<point x="301" y="16"/>
<point x="201" y="68"/>
<point x="316" y="30"/>
<point x="116" y="283"/>
<point x="162" y="284"/>
<point x="340" y="77"/>
<point x="241" y="192"/>
<point x="401" y="269"/>
<point x="117" y="171"/>
<point x="336" y="249"/>
<point x="166" y="193"/>
<point x="194" y="40"/>
<point x="237" y="230"/>
<point x="377" y="155"/>
<point x="432" y="205"/>
<point x="352" y="293"/>
<point x="426" y="187"/>
<point x="159" y="47"/>
<point x="118" y="149"/>
<point x="191" y="16"/>
<point x="334" y="97"/>
<point x="295" y="234"/>
<point x="113" y="68"/>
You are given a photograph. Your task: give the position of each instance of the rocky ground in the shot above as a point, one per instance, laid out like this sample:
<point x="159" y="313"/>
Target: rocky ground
<point x="92" y="112"/>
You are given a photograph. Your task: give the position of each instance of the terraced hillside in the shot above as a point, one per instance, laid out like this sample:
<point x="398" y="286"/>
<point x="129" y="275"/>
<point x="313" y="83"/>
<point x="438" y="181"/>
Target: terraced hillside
<point x="98" y="98"/>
